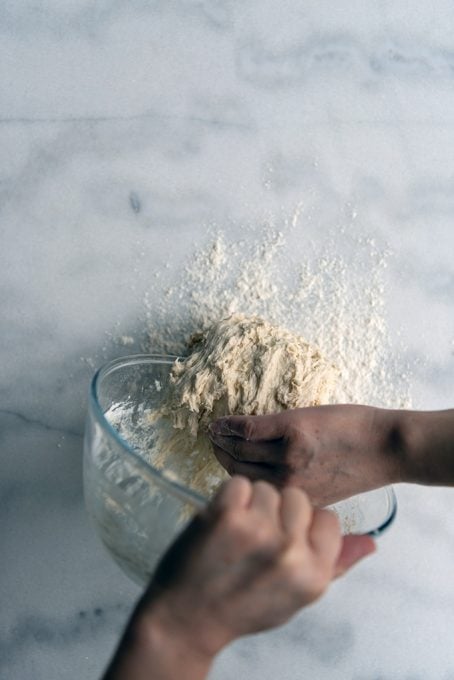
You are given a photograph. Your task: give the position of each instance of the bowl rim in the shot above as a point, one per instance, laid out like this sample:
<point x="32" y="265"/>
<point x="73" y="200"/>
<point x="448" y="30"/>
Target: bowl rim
<point x="183" y="493"/>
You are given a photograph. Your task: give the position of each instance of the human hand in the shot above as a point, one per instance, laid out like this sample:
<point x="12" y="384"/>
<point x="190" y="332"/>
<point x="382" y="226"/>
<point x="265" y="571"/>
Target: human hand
<point x="247" y="564"/>
<point x="332" y="452"/>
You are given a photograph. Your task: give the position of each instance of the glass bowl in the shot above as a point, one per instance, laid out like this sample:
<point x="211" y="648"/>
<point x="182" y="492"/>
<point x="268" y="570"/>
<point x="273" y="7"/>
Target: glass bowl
<point x="136" y="509"/>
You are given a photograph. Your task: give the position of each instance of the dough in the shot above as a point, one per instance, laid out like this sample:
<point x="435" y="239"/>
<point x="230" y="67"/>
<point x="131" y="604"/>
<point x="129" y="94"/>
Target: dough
<point x="240" y="365"/>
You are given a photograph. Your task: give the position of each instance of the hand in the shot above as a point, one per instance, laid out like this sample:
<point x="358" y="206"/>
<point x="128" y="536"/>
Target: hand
<point x="332" y="452"/>
<point x="248" y="563"/>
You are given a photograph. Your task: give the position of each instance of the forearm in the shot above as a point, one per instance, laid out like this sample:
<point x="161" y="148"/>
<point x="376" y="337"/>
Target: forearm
<point x="148" y="652"/>
<point x="424" y="445"/>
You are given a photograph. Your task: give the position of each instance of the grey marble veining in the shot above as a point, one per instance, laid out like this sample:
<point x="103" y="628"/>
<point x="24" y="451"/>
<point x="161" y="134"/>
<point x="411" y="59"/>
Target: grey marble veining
<point x="126" y="129"/>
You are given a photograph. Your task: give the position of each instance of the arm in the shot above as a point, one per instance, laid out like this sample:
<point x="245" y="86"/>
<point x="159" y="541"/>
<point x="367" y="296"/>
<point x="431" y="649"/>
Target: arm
<point x="151" y="650"/>
<point x="333" y="452"/>
<point x="428" y="446"/>
<point x="245" y="565"/>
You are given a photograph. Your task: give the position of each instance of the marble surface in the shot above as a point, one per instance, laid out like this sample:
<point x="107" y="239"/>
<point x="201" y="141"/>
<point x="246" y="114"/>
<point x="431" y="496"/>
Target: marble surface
<point x="126" y="129"/>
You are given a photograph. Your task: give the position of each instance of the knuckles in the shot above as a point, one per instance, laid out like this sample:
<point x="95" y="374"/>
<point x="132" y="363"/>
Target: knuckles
<point x="307" y="578"/>
<point x="249" y="429"/>
<point x="299" y="452"/>
<point x="291" y="564"/>
<point x="249" y="533"/>
<point x="294" y="436"/>
<point x="232" y="524"/>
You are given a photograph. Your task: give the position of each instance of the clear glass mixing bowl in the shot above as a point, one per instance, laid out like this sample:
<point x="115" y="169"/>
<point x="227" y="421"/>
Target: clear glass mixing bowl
<point x="136" y="509"/>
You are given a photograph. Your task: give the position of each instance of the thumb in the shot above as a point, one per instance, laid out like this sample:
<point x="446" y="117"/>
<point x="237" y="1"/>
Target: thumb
<point x="353" y="549"/>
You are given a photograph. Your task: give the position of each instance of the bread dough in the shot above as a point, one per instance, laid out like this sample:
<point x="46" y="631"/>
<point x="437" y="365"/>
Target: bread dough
<point x="240" y="365"/>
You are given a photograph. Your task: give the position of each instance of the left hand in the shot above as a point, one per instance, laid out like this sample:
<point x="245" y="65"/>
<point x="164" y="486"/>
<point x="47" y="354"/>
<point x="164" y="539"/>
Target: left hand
<point x="246" y="564"/>
<point x="249" y="563"/>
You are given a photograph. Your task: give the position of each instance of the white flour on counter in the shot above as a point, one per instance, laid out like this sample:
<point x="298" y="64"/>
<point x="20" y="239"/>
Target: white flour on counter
<point x="336" y="301"/>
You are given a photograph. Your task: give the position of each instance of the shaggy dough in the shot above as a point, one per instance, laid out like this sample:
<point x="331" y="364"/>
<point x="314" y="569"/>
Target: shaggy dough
<point x="241" y="365"/>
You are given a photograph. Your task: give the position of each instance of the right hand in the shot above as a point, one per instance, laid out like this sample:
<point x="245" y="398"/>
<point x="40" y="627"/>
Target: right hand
<point x="248" y="563"/>
<point x="331" y="452"/>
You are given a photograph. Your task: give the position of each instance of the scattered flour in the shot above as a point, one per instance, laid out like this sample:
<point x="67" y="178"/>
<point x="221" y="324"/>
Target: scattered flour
<point x="335" y="298"/>
<point x="126" y="340"/>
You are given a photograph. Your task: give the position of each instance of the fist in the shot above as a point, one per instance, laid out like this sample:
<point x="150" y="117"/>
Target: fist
<point x="248" y="563"/>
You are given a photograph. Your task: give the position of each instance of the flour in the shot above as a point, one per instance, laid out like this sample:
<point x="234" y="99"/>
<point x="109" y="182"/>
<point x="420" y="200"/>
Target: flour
<point x="335" y="298"/>
<point x="241" y="365"/>
<point x="333" y="294"/>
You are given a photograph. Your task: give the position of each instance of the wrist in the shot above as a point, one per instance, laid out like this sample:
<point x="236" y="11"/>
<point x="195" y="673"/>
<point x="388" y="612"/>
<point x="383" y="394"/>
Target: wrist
<point x="409" y="435"/>
<point x="178" y="643"/>
<point x="188" y="625"/>
<point x="428" y="438"/>
<point x="396" y="445"/>
<point x="152" y="647"/>
<point x="386" y="438"/>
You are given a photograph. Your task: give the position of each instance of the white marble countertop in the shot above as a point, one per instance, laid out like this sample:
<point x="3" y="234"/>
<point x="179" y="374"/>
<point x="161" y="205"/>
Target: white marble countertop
<point x="125" y="129"/>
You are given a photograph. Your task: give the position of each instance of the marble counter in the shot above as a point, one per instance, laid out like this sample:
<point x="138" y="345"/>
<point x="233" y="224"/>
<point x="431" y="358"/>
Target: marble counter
<point x="126" y="129"/>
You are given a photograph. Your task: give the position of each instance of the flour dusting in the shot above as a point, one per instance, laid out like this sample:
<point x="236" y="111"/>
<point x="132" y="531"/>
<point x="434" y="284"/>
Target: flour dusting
<point x="335" y="299"/>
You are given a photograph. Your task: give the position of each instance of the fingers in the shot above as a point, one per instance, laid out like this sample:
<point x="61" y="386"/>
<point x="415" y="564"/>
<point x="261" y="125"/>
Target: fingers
<point x="353" y="549"/>
<point x="251" y="428"/>
<point x="325" y="535"/>
<point x="237" y="492"/>
<point x="296" y="512"/>
<point x="297" y="519"/>
<point x="254" y="471"/>
<point x="248" y="450"/>
<point x="265" y="499"/>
